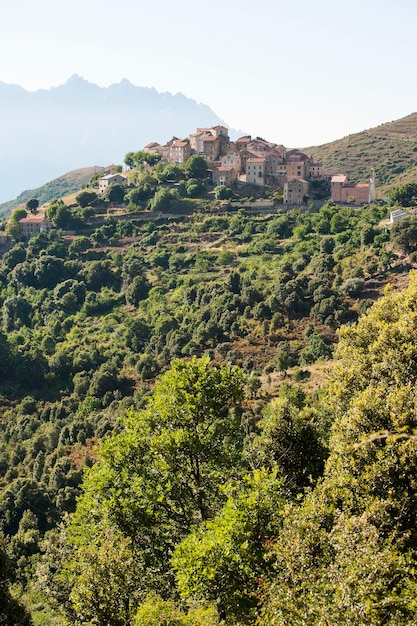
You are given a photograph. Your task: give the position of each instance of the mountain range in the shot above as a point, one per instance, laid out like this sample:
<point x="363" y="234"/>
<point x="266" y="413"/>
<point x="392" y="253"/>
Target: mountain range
<point x="48" y="132"/>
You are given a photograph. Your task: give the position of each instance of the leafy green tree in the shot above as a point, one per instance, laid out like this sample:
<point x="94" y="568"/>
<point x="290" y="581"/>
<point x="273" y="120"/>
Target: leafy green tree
<point x="49" y="271"/>
<point x="106" y="586"/>
<point x="316" y="348"/>
<point x="14" y="256"/>
<point x="193" y="187"/>
<point x="86" y="198"/>
<point x="163" y="199"/>
<point x="129" y="159"/>
<point x="32" y="205"/>
<point x="404" y="195"/>
<point x="158" y="612"/>
<point x="404" y="234"/>
<point x="221" y="192"/>
<point x="18" y="214"/>
<point x="223" y="560"/>
<point x="12" y="613"/>
<point x="165" y="471"/>
<point x="115" y="193"/>
<point x="137" y="290"/>
<point x="12" y="227"/>
<point x="139" y="194"/>
<point x="17" y="312"/>
<point x="289" y="438"/>
<point x="195" y="167"/>
<point x="79" y="245"/>
<point x="98" y="274"/>
<point x="59" y="214"/>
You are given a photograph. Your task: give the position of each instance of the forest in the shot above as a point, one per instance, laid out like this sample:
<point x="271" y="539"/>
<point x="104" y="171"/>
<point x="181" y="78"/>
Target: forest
<point x="207" y="412"/>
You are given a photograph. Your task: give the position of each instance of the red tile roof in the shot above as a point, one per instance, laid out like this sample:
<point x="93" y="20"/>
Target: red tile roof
<point x="32" y="220"/>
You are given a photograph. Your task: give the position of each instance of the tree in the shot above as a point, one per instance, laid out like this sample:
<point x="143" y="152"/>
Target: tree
<point x="86" y="198"/>
<point x="289" y="438"/>
<point x="223" y="560"/>
<point x="106" y="587"/>
<point x="139" y="194"/>
<point x="221" y="192"/>
<point x="12" y="227"/>
<point x="79" y="245"/>
<point x="137" y="290"/>
<point x="129" y="159"/>
<point x="359" y="523"/>
<point x="133" y="159"/>
<point x="165" y="471"/>
<point x="115" y="193"/>
<point x="12" y="613"/>
<point x="59" y="214"/>
<point x="32" y="205"/>
<point x="163" y="199"/>
<point x="404" y="195"/>
<point x="404" y="234"/>
<point x="195" y="167"/>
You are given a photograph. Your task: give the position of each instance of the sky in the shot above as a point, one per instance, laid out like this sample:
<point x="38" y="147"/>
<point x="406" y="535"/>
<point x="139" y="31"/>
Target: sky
<point x="298" y="72"/>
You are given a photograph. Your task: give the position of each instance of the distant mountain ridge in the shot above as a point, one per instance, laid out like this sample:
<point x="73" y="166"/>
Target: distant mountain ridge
<point x="80" y="124"/>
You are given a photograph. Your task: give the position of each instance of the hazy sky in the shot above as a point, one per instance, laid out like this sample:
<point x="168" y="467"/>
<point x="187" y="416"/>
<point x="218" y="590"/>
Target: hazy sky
<point x="296" y="72"/>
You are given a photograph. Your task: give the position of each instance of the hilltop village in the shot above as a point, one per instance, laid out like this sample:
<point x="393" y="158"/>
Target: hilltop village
<point x="256" y="161"/>
<point x="289" y="176"/>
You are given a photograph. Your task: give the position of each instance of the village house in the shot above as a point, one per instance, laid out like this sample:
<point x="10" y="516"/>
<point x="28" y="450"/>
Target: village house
<point x="224" y="176"/>
<point x="263" y="162"/>
<point x="153" y="147"/>
<point x="315" y="171"/>
<point x="231" y="160"/>
<point x="179" y="150"/>
<point x="33" y="225"/>
<point x="296" y="191"/>
<point x="110" y="179"/>
<point x="348" y="193"/>
<point x="397" y="215"/>
<point x="297" y="163"/>
<point x="255" y="171"/>
<point x="211" y="148"/>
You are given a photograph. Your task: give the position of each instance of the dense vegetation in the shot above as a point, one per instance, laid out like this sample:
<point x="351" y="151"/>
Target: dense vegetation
<point x="203" y="473"/>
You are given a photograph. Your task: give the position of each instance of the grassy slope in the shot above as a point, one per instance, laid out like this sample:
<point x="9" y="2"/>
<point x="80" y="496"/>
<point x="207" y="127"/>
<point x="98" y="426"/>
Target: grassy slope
<point x="391" y="149"/>
<point x="70" y="182"/>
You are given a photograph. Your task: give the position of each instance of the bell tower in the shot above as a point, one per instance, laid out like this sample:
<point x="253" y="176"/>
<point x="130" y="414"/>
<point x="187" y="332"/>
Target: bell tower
<point x="371" y="193"/>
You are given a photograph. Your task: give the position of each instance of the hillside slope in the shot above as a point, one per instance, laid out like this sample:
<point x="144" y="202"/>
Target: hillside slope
<point x="68" y="183"/>
<point x="391" y="149"/>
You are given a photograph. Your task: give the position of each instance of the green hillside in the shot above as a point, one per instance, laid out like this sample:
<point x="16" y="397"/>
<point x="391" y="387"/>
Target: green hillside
<point x="163" y="410"/>
<point x="391" y="149"/>
<point x="70" y="182"/>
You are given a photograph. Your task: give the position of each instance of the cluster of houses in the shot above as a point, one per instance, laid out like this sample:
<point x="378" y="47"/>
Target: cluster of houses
<point x="253" y="161"/>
